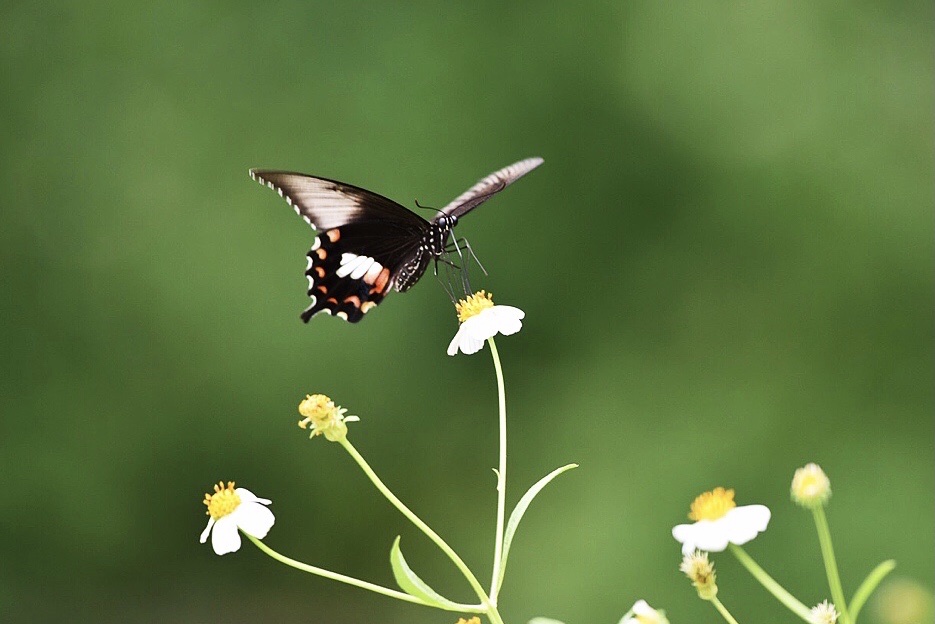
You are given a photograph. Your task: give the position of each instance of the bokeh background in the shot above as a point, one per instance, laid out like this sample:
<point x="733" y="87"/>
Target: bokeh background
<point x="726" y="265"/>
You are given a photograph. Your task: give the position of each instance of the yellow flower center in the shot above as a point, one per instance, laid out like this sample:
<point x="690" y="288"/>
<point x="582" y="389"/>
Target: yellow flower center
<point x="223" y="501"/>
<point x="473" y="304"/>
<point x="473" y="620"/>
<point x="712" y="505"/>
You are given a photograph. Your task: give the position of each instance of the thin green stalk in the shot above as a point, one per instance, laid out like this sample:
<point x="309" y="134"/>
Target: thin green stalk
<point x="350" y="580"/>
<point x="866" y="588"/>
<point x="831" y="566"/>
<point x="723" y="610"/>
<point x="770" y="584"/>
<point x="489" y="608"/>
<point x="501" y="477"/>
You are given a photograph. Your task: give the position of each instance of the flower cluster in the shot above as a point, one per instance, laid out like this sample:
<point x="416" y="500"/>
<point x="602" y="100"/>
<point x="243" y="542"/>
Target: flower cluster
<point x="720" y="523"/>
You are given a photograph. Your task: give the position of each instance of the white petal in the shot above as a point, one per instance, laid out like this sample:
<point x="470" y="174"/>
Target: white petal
<point x="207" y="531"/>
<point x="745" y="523"/>
<point x="246" y="496"/>
<point x="470" y="346"/>
<point x="225" y="538"/>
<point x="455" y="343"/>
<point x="509" y="311"/>
<point x="641" y="607"/>
<point x="254" y="519"/>
<point x="481" y="326"/>
<point x="507" y="320"/>
<point x="464" y="341"/>
<point x="710" y="535"/>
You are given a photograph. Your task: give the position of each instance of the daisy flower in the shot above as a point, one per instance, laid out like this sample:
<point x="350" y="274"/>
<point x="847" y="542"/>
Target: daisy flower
<point x="480" y="319"/>
<point x="719" y="522"/>
<point x="231" y="510"/>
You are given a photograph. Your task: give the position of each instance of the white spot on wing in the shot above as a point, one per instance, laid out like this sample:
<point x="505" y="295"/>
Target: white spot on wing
<point x="373" y="272"/>
<point x="362" y="268"/>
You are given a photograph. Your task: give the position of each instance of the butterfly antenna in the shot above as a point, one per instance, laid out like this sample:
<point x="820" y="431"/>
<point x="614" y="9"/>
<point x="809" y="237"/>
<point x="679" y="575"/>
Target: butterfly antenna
<point x="418" y="205"/>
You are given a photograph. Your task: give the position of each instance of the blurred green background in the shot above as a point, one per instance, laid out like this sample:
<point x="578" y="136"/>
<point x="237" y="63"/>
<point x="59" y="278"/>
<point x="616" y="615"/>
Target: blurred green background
<point x="726" y="265"/>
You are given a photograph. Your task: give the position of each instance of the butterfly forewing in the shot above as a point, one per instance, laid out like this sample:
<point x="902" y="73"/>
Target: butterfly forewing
<point x="325" y="203"/>
<point x="489" y="186"/>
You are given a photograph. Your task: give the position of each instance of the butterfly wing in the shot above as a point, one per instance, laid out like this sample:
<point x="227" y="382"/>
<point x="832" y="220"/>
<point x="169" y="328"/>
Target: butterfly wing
<point x="363" y="241"/>
<point x="489" y="186"/>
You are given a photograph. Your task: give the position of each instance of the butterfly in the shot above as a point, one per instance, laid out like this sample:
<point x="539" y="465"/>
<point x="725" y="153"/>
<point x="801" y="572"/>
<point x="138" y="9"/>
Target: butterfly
<point x="368" y="244"/>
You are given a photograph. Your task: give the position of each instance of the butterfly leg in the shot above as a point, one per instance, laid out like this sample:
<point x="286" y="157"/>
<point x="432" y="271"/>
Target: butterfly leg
<point x="463" y="242"/>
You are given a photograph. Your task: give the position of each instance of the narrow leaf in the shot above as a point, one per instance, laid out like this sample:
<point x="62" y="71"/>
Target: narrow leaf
<point x="410" y="582"/>
<point x="518" y="512"/>
<point x="866" y="588"/>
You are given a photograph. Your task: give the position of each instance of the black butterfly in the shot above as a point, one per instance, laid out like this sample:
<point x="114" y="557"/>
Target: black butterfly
<point x="368" y="243"/>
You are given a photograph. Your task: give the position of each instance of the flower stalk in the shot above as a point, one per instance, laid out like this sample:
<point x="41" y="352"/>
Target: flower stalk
<point x="831" y="566"/>
<point x="350" y="580"/>
<point x="770" y="584"/>
<point x="723" y="610"/>
<point x="501" y="477"/>
<point x="486" y="605"/>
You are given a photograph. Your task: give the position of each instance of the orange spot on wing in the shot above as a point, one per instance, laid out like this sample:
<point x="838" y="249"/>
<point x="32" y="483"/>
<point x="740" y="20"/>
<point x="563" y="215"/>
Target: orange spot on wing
<point x="334" y="235"/>
<point x="320" y="271"/>
<point x="354" y="300"/>
<point x="382" y="281"/>
<point x="321" y="253"/>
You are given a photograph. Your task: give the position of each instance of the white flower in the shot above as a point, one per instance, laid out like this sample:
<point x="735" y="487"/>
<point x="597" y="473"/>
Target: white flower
<point x="720" y="522"/>
<point x="642" y="613"/>
<point x="231" y="509"/>
<point x="480" y="320"/>
<point x="824" y="613"/>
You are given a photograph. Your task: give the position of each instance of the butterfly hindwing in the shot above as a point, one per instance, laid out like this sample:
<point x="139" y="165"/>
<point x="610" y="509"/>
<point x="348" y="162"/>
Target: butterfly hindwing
<point x="343" y="283"/>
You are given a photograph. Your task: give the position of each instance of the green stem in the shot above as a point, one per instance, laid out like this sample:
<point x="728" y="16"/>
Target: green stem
<point x="723" y="610"/>
<point x="489" y="608"/>
<point x="501" y="477"/>
<point x="350" y="580"/>
<point x="866" y="588"/>
<point x="770" y="584"/>
<point x="831" y="566"/>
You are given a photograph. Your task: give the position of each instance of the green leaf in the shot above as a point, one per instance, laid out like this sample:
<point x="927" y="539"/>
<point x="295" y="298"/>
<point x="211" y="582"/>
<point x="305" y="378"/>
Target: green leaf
<point x="870" y="583"/>
<point x="410" y="582"/>
<point x="518" y="512"/>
